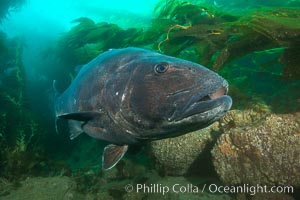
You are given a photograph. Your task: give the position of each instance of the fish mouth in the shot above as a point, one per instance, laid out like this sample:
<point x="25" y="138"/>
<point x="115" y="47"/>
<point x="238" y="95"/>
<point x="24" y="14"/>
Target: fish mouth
<point x="218" y="93"/>
<point x="202" y="103"/>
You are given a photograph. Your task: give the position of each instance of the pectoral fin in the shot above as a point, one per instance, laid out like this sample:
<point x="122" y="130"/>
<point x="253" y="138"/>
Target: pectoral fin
<point x="80" y="116"/>
<point x="78" y="120"/>
<point x="112" y="155"/>
<point x="75" y="129"/>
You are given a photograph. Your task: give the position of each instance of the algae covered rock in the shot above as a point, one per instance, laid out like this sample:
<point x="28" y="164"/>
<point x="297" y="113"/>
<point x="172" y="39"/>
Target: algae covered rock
<point x="265" y="152"/>
<point x="44" y="189"/>
<point x="174" y="156"/>
<point x="238" y="118"/>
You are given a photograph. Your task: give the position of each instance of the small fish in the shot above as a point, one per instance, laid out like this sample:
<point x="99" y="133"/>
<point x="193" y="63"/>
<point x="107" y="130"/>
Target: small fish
<point x="216" y="4"/>
<point x="130" y="96"/>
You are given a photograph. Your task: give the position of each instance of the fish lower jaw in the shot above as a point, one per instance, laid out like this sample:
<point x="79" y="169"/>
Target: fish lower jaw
<point x="206" y="117"/>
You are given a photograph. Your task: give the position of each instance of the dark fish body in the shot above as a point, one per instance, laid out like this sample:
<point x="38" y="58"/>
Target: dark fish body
<point x="132" y="95"/>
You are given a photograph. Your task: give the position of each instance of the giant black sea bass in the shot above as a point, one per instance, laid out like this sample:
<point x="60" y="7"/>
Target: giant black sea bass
<point x="132" y="95"/>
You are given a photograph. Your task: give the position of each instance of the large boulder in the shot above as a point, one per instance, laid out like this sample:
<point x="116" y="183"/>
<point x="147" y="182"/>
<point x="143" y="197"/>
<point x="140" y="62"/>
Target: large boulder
<point x="264" y="151"/>
<point x="175" y="156"/>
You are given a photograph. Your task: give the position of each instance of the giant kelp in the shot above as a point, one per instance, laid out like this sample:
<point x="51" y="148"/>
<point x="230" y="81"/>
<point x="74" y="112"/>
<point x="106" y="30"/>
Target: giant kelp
<point x="87" y="39"/>
<point x="221" y="38"/>
<point x="6" y="6"/>
<point x="204" y="34"/>
<point x="266" y="29"/>
<point x="231" y="44"/>
<point x="216" y="37"/>
<point x="21" y="134"/>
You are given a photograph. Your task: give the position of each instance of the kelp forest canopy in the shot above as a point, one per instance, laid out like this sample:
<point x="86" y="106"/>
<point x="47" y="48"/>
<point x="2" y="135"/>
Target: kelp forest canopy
<point x="7" y="5"/>
<point x="197" y="32"/>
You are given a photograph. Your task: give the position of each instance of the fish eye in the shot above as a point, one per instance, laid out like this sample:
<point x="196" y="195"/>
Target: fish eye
<point x="161" y="68"/>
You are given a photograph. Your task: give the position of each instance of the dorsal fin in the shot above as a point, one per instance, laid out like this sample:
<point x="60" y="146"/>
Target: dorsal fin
<point x="112" y="155"/>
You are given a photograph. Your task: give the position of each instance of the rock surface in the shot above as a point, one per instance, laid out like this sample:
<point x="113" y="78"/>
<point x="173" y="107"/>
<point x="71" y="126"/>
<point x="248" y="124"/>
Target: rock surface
<point x="264" y="151"/>
<point x="64" y="188"/>
<point x="175" y="156"/>
<point x="44" y="189"/>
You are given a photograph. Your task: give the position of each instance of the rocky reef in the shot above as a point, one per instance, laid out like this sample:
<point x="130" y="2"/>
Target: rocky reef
<point x="62" y="187"/>
<point x="175" y="156"/>
<point x="43" y="188"/>
<point x="264" y="151"/>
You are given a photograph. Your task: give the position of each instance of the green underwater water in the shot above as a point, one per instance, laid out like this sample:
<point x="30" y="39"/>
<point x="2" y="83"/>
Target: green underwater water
<point x="255" y="45"/>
